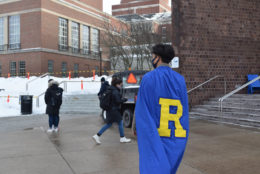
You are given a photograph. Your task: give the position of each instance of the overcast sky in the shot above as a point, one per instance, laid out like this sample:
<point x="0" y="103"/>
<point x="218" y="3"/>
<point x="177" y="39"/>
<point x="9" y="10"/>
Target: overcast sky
<point x="107" y="5"/>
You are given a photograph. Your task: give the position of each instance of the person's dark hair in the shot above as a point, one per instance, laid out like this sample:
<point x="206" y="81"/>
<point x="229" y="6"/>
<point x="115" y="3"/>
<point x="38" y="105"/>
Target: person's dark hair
<point x="116" y="81"/>
<point x="103" y="79"/>
<point x="165" y="51"/>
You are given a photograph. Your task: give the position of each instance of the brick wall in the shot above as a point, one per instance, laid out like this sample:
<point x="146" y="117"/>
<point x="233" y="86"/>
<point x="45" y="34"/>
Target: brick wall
<point x="216" y="37"/>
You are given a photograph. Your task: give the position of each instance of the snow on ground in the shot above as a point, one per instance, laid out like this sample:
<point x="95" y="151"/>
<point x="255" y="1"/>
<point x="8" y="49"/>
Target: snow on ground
<point x="16" y="86"/>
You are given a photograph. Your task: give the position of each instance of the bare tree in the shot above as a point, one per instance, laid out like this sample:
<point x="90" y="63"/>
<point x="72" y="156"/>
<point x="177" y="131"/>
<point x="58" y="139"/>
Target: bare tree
<point x="130" y="44"/>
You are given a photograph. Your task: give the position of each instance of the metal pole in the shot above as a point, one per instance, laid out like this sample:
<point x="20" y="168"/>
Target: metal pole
<point x="100" y="66"/>
<point x="37" y="102"/>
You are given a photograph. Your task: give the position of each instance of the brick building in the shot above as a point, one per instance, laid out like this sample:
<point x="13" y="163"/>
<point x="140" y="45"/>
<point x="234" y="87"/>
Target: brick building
<point x="140" y="7"/>
<point x="39" y="36"/>
<point x="216" y="38"/>
<point x="155" y="15"/>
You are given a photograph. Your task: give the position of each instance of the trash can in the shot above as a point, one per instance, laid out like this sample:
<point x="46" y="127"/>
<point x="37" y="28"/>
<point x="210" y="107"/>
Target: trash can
<point x="26" y="104"/>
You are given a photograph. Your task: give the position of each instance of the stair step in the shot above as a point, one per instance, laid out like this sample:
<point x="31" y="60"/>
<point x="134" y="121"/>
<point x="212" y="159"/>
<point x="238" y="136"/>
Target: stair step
<point x="240" y="109"/>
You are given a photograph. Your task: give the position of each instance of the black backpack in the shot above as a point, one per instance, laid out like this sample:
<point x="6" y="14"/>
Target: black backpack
<point x="56" y="98"/>
<point x="106" y="100"/>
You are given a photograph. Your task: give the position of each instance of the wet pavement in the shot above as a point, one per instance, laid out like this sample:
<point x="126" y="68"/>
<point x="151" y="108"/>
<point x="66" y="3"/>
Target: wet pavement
<point x="26" y="148"/>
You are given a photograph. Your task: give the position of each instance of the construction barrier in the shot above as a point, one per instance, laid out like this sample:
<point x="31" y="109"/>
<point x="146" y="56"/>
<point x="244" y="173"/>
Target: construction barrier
<point x="8" y="99"/>
<point x="82" y="85"/>
<point x="69" y="73"/>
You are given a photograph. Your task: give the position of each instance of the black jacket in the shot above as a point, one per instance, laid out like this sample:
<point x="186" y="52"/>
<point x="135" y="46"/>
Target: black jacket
<point x="52" y="110"/>
<point x="104" y="87"/>
<point x="114" y="114"/>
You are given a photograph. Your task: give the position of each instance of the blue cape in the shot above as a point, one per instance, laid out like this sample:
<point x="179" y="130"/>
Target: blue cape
<point x="162" y="121"/>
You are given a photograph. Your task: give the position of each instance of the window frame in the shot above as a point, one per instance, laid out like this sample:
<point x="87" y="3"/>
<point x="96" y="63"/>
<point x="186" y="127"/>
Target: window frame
<point x="64" y="69"/>
<point x="63" y="34"/>
<point x="85" y="39"/>
<point x="13" y="68"/>
<point x="75" y="37"/>
<point x="95" y="41"/>
<point x="22" y="70"/>
<point x="2" y="33"/>
<point x="50" y="62"/>
<point x="14" y="32"/>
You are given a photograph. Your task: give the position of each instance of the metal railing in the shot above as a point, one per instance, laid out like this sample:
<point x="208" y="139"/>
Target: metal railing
<point x="65" y="83"/>
<point x="235" y="91"/>
<point x="44" y="75"/>
<point x="213" y="78"/>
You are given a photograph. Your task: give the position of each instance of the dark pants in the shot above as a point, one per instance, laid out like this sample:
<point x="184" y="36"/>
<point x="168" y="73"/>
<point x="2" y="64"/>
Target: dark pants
<point x="105" y="127"/>
<point x="54" y="120"/>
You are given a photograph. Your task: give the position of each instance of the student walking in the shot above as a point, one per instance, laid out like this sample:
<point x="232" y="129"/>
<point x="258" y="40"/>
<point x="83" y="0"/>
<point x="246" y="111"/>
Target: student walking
<point x="103" y="88"/>
<point x="53" y="100"/>
<point x="113" y="113"/>
<point x="162" y="116"/>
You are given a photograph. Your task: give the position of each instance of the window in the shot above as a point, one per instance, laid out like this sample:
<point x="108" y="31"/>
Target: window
<point x="14" y="32"/>
<point x="22" y="71"/>
<point x="0" y="70"/>
<point x="95" y="41"/>
<point x="13" y="68"/>
<point x="76" y="70"/>
<point x="85" y="39"/>
<point x="164" y="33"/>
<point x="50" y="66"/>
<point x="75" y="37"/>
<point x="63" y="34"/>
<point x="64" y="69"/>
<point x="96" y="69"/>
<point x="164" y="30"/>
<point x="1" y="34"/>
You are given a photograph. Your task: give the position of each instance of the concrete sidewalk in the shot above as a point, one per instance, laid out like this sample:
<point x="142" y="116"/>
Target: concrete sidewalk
<point x="212" y="149"/>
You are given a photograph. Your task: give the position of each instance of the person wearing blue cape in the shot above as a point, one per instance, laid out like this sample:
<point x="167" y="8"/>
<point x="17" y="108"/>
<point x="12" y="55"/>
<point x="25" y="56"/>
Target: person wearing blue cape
<point x="162" y="116"/>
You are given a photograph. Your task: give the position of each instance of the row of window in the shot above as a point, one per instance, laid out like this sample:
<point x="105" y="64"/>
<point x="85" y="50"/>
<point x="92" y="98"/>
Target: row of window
<point x="13" y="32"/>
<point x="22" y="68"/>
<point x="13" y="68"/>
<point x="90" y="36"/>
<point x="64" y="68"/>
<point x="89" y="39"/>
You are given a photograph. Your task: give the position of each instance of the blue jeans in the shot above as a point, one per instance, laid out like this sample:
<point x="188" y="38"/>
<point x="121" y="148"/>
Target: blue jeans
<point x="54" y="120"/>
<point x="105" y="127"/>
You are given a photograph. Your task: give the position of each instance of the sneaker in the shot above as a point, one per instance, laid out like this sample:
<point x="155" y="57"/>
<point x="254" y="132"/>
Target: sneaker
<point x="96" y="138"/>
<point x="56" y="129"/>
<point x="125" y="140"/>
<point x="50" y="130"/>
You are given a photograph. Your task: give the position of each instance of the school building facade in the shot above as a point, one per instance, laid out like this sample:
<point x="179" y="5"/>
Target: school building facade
<point x="55" y="36"/>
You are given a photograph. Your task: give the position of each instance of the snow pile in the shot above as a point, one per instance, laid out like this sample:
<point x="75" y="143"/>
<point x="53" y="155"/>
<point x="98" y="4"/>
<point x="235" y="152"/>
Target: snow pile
<point x="16" y="86"/>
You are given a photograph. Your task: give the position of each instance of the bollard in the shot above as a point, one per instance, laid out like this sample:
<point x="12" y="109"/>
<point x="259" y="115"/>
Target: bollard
<point x="81" y="84"/>
<point x="28" y="75"/>
<point x="8" y="99"/>
<point x="8" y="76"/>
<point x="69" y="75"/>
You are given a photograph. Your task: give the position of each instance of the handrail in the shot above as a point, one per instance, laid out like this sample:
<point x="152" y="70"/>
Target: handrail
<point x="213" y="78"/>
<point x="66" y="81"/>
<point x="38" y="99"/>
<point x="27" y="84"/>
<point x="235" y="91"/>
<point x="65" y="89"/>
